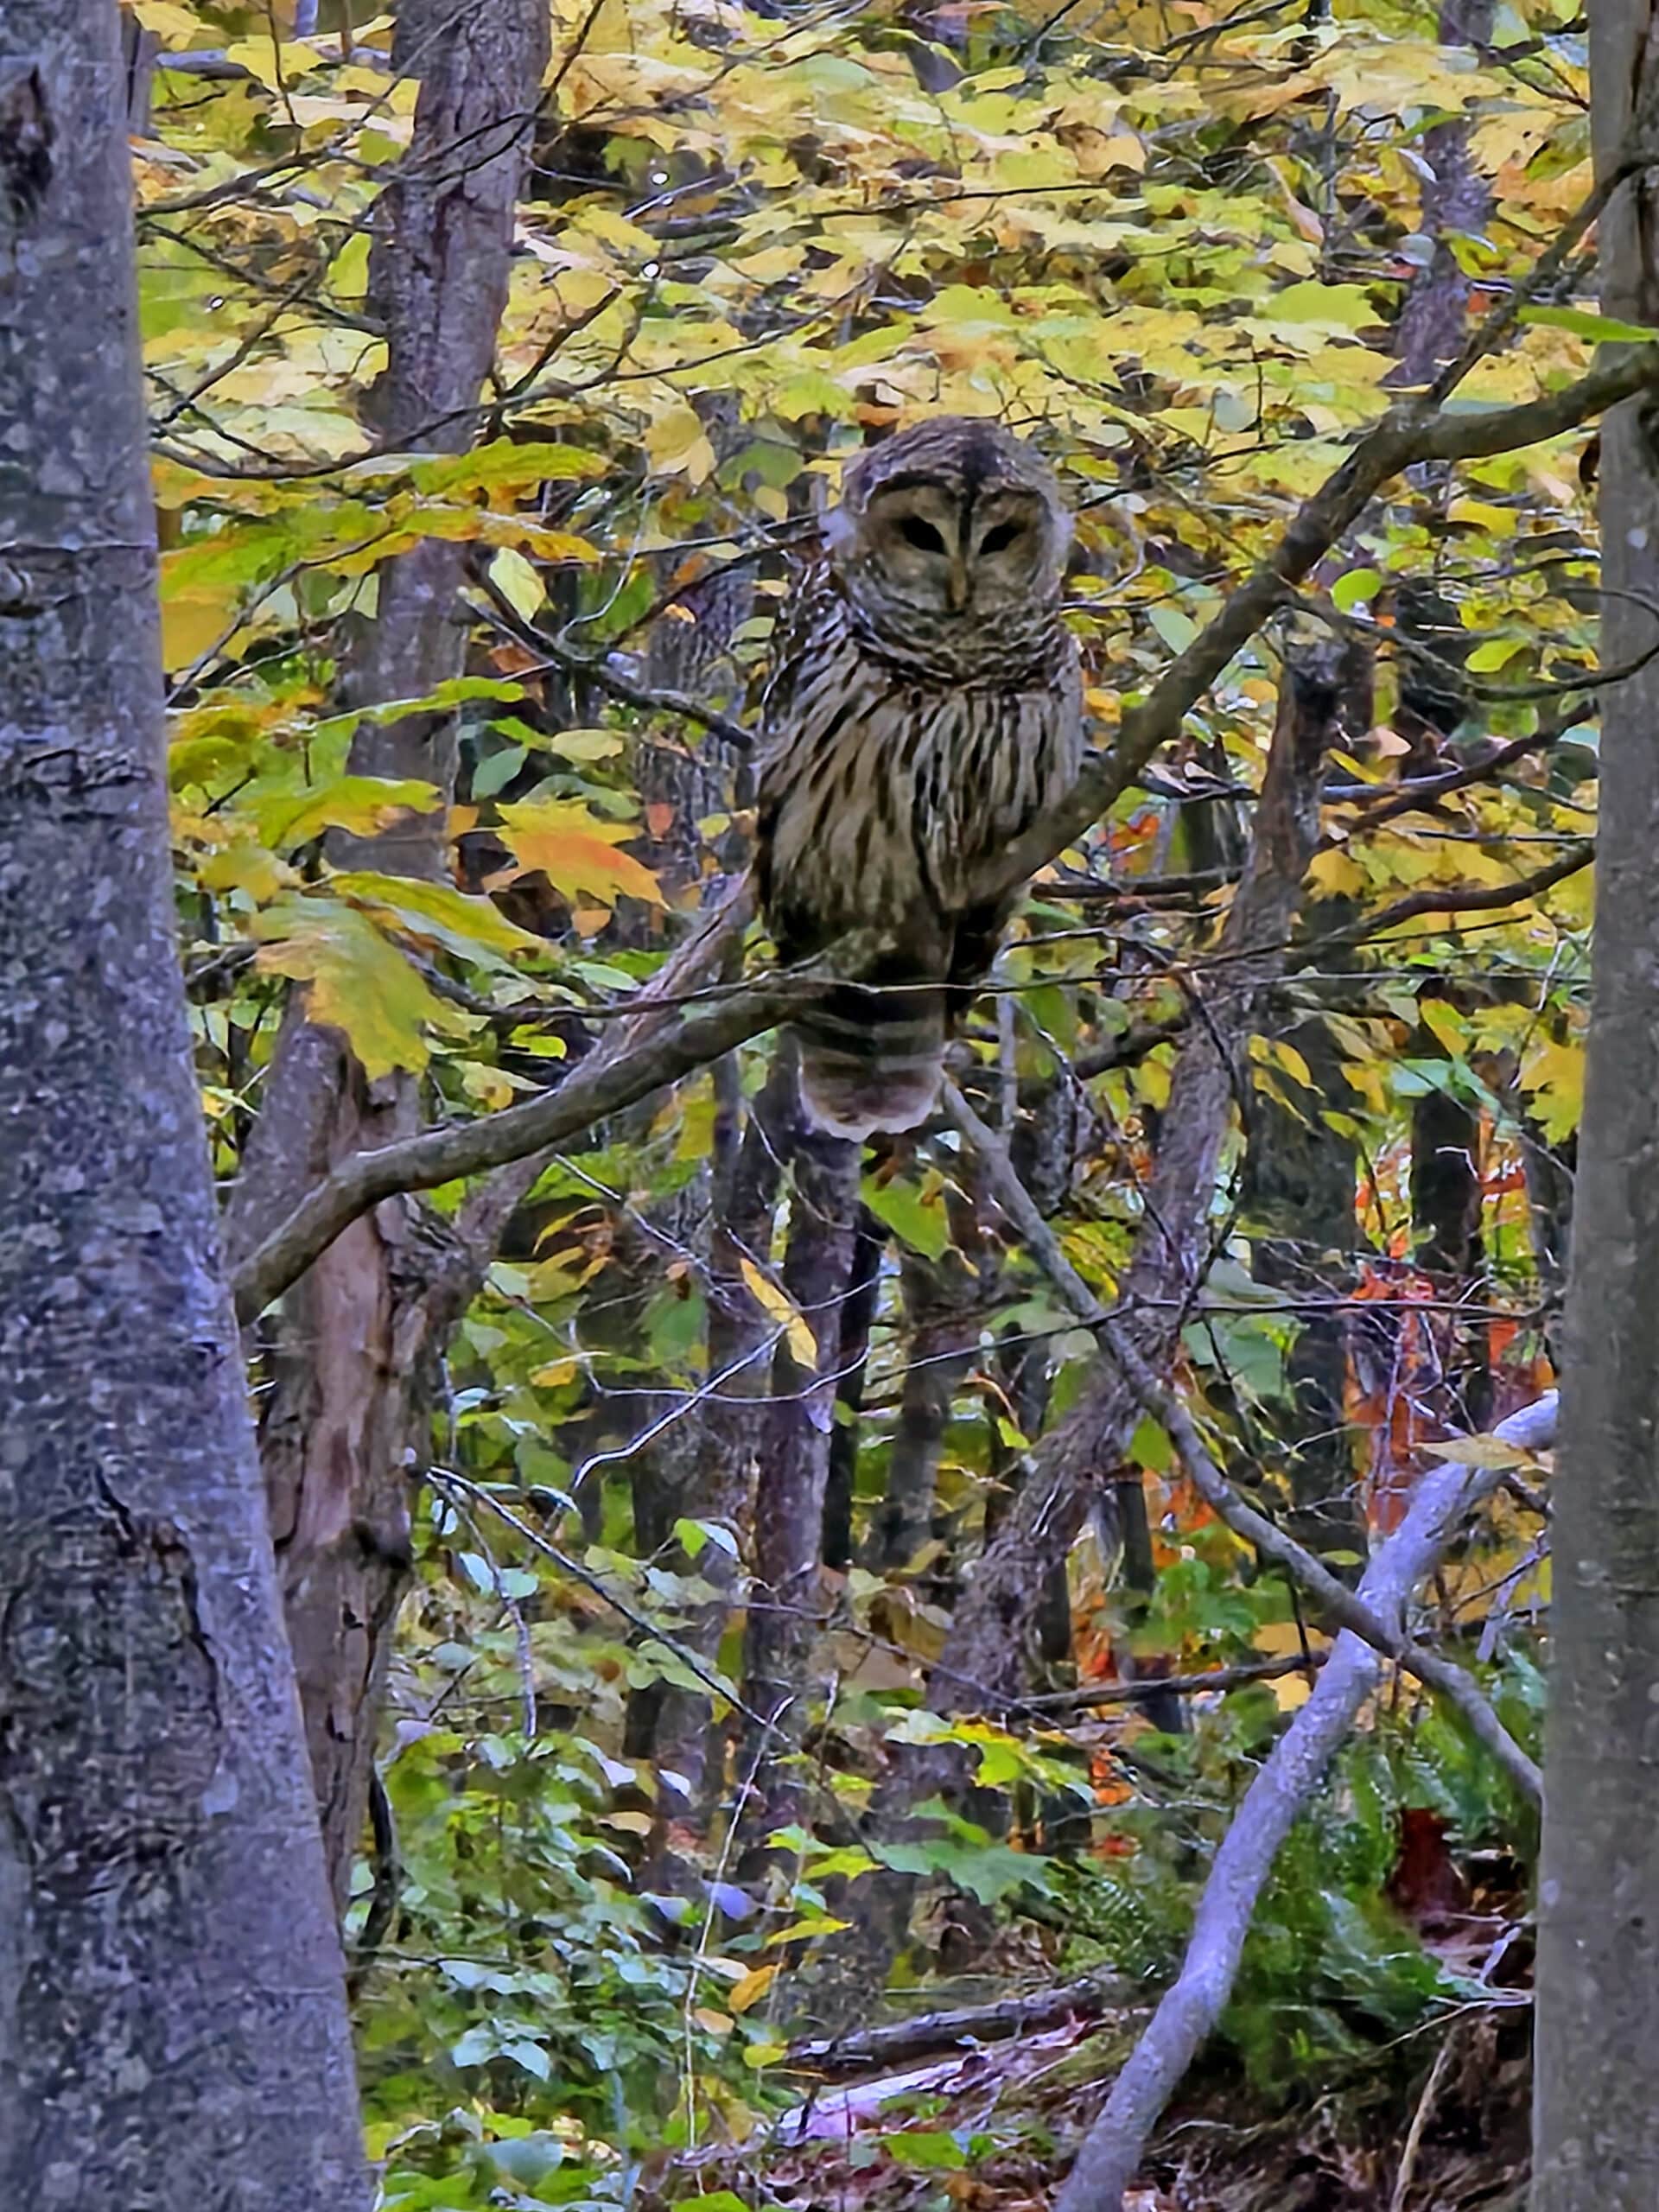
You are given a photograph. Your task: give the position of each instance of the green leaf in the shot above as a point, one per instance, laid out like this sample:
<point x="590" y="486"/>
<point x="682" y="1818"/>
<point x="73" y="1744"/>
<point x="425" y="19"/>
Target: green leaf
<point x="1584" y="322"/>
<point x="506" y="465"/>
<point x="935" y="2151"/>
<point x="462" y="923"/>
<point x="922" y="1223"/>
<point x="1355" y="588"/>
<point x="360" y="803"/>
<point x="495" y="772"/>
<point x="360" y="983"/>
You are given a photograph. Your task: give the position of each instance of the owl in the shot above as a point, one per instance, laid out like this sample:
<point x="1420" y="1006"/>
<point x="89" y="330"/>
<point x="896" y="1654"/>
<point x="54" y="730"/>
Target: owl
<point x="924" y="706"/>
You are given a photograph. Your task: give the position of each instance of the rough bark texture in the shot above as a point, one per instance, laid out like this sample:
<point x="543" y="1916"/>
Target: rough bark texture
<point x="942" y="1299"/>
<point x="1597" y="2120"/>
<point x="1299" y="1198"/>
<point x="714" y="1480"/>
<point x="356" y="1345"/>
<point x="172" y="2011"/>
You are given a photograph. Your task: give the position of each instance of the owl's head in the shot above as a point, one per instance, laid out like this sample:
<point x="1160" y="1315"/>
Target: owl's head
<point x="954" y="517"/>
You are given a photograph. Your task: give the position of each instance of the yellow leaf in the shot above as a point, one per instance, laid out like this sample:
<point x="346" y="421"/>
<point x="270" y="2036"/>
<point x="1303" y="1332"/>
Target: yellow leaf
<point x="712" y="2023"/>
<point x="576" y="850"/>
<point x="193" y="622"/>
<point x="517" y="583"/>
<point x="803" y="1345"/>
<point x="1333" y="875"/>
<point x="176" y="26"/>
<point x="630" y="1823"/>
<point x="1481" y="1452"/>
<point x="753" y="1985"/>
<point x="1552" y="1074"/>
<point x="261" y="59"/>
<point x="361" y="804"/>
<point x="585" y="744"/>
<point x="245" y="866"/>
<point x="1446" y="1024"/>
<point x="360" y="983"/>
<point x="677" y="444"/>
<point x="1275" y="1052"/>
<point x="819" y="1924"/>
<point x="463" y="924"/>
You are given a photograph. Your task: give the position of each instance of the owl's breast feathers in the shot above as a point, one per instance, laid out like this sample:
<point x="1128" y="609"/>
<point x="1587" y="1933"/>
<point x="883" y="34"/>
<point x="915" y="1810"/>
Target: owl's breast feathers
<point x="894" y="766"/>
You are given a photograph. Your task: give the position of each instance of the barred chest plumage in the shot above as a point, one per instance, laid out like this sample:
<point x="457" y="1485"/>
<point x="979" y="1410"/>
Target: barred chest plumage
<point x="891" y="776"/>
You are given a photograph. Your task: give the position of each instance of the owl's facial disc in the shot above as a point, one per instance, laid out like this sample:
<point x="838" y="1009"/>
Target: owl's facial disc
<point x="910" y="537"/>
<point x="1018" y="544"/>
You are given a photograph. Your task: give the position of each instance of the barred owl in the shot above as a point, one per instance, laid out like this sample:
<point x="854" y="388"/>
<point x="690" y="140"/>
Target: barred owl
<point x="925" y="706"/>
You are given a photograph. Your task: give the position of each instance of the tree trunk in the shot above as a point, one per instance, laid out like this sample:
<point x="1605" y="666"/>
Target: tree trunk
<point x="359" y="1336"/>
<point x="942" y="1299"/>
<point x="996" y="1625"/>
<point x="1299" y="1199"/>
<point x="1595" y="2117"/>
<point x="172" y="2012"/>
<point x="794" y="1466"/>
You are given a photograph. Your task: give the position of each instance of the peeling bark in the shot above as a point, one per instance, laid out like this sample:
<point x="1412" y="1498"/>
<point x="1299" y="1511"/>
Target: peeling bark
<point x="172" y="2009"/>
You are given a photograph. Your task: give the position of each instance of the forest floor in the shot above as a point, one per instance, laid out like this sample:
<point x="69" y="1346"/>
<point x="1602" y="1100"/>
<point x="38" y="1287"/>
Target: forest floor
<point x="1435" y="2122"/>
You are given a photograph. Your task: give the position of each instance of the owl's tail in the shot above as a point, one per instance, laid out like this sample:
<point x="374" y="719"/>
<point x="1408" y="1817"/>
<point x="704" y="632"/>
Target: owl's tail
<point x="873" y="1060"/>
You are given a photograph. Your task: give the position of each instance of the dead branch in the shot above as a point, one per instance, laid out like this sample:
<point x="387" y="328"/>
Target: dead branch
<point x="1207" y="1681"/>
<point x="1086" y="1998"/>
<point x="1192" y="2006"/>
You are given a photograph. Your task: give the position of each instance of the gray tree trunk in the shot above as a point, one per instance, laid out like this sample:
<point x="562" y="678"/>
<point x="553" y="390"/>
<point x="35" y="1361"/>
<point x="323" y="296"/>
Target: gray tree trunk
<point x="172" y="2012"/>
<point x="360" y="1337"/>
<point x="1596" y="2113"/>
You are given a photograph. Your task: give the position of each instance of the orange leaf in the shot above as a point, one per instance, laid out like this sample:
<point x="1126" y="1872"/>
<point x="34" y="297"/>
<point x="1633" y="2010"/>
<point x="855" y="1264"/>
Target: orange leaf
<point x="576" y="851"/>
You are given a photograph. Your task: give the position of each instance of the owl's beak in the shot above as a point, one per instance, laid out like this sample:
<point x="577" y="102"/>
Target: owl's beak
<point x="957" y="591"/>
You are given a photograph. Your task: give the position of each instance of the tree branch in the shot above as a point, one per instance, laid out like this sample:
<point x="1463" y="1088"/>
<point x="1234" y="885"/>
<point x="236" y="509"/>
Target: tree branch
<point x="1190" y="2008"/>
<point x="1086" y="1998"/>
<point x="589" y="670"/>
<point x="689" y="1039"/>
<point x="1449" y="898"/>
<point x="1335" y="1598"/>
<point x="1407" y="434"/>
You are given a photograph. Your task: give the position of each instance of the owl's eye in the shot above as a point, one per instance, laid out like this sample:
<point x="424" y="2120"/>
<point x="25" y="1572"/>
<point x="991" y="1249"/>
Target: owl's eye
<point x="1000" y="537"/>
<point x="922" y="535"/>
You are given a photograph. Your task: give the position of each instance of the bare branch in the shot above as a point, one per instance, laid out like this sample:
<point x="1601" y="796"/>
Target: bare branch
<point x="1192" y="2006"/>
<point x="1087" y="1998"/>
<point x="589" y="670"/>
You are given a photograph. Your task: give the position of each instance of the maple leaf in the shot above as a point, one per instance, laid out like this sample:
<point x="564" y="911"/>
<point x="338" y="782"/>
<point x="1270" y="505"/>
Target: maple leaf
<point x="360" y="983"/>
<point x="576" y="851"/>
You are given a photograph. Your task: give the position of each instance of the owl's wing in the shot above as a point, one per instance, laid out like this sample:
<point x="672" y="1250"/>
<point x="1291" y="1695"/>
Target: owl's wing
<point x="813" y="602"/>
